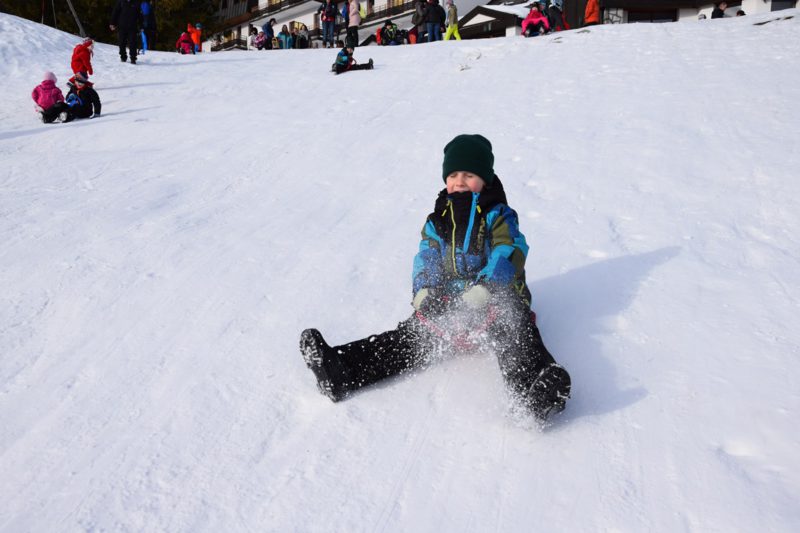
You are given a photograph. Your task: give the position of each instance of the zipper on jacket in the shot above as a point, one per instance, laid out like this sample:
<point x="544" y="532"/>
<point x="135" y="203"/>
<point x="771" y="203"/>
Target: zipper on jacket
<point x="453" y="237"/>
<point x="475" y="207"/>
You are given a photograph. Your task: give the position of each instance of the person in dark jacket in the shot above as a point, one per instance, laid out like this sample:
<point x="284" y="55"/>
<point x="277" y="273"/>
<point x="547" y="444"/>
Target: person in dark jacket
<point x="82" y="99"/>
<point x="719" y="10"/>
<point x="149" y="23"/>
<point x="390" y="34"/>
<point x="126" y="19"/>
<point x="327" y="12"/>
<point x="418" y="20"/>
<point x="434" y="20"/>
<point x="469" y="291"/>
<point x="555" y="16"/>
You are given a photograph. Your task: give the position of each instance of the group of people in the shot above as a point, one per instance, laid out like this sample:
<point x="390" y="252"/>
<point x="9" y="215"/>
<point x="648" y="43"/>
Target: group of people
<point x="541" y="20"/>
<point x="190" y="41"/>
<point x="82" y="101"/>
<point x="719" y="11"/>
<point x="295" y="38"/>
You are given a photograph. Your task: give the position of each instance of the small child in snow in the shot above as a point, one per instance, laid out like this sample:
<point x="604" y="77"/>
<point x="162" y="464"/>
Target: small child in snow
<point x="469" y="291"/>
<point x="345" y="61"/>
<point x="185" y="45"/>
<point x="535" y="23"/>
<point x="82" y="99"/>
<point x="82" y="57"/>
<point x="50" y="101"/>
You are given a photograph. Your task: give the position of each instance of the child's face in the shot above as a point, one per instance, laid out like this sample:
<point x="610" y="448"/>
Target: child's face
<point x="461" y="181"/>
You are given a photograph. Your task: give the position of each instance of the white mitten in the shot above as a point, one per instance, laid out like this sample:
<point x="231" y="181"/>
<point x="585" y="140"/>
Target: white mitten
<point x="476" y="297"/>
<point x="419" y="298"/>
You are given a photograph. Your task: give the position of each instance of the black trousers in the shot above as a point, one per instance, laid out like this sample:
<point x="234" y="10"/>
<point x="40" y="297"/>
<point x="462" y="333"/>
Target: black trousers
<point x="345" y="68"/>
<point x="351" y="39"/>
<point x="520" y="351"/>
<point x="51" y="114"/>
<point x="127" y="38"/>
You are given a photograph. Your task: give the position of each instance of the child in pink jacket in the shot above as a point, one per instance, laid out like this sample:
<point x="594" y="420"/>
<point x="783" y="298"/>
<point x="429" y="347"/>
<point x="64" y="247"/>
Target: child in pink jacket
<point x="50" y="101"/>
<point x="535" y="23"/>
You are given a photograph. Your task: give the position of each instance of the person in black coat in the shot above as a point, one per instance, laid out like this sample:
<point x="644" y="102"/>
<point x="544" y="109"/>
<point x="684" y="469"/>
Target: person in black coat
<point x="434" y="20"/>
<point x="719" y="10"/>
<point x="82" y="99"/>
<point x="126" y="19"/>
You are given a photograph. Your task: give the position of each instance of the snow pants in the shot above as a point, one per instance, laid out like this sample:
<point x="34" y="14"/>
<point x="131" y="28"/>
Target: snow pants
<point x="518" y="344"/>
<point x="50" y="114"/>
<point x="127" y="38"/>
<point x="452" y="29"/>
<point x="351" y="38"/>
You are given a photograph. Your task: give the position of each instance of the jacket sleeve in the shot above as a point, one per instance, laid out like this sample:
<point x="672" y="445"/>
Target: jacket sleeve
<point x="428" y="270"/>
<point x="93" y="96"/>
<point x="115" y="14"/>
<point x="506" y="263"/>
<point x="35" y="94"/>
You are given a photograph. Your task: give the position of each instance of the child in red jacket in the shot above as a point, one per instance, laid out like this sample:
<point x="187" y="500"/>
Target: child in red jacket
<point x="185" y="45"/>
<point x="82" y="57"/>
<point x="50" y="101"/>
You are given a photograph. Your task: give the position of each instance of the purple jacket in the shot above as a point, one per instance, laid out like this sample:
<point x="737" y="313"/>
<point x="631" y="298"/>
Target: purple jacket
<point x="46" y="94"/>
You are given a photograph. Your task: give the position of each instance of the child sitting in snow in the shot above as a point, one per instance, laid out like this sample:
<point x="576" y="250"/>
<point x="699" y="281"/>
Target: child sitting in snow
<point x="535" y="23"/>
<point x="470" y="269"/>
<point x="82" y="99"/>
<point x="184" y="44"/>
<point x="50" y="101"/>
<point x="345" y="61"/>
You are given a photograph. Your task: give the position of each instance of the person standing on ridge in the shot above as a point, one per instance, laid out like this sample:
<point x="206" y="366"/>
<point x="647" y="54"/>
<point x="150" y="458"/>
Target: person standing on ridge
<point x="452" y="21"/>
<point x="126" y="18"/>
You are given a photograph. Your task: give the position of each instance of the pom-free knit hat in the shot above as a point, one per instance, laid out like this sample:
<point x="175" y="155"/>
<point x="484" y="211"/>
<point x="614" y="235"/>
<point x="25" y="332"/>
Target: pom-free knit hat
<point x="49" y="76"/>
<point x="469" y="153"/>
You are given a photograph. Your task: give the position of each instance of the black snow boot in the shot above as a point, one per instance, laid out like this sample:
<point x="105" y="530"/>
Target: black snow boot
<point x="549" y="393"/>
<point x="332" y="376"/>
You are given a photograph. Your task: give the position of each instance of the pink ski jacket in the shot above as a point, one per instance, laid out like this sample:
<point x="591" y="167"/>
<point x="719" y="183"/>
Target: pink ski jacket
<point x="46" y="94"/>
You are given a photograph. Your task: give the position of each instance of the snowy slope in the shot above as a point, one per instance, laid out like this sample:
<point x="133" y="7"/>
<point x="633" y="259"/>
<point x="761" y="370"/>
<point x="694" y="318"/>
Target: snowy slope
<point x="158" y="263"/>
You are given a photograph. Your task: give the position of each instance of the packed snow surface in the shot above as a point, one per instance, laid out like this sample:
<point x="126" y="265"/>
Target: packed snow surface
<point x="158" y="264"/>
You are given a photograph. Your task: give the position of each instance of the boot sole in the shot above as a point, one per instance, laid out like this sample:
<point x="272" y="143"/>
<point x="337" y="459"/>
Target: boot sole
<point x="310" y="341"/>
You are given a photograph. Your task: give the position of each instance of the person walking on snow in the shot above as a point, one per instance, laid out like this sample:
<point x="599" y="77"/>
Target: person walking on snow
<point x="470" y="269"/>
<point x="148" y="25"/>
<point x="452" y="21"/>
<point x="82" y="57"/>
<point x="196" y="32"/>
<point x="126" y="18"/>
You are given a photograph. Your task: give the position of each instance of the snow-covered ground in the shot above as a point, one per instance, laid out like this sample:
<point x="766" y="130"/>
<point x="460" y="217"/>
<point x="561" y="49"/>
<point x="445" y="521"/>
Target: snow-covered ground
<point x="158" y="264"/>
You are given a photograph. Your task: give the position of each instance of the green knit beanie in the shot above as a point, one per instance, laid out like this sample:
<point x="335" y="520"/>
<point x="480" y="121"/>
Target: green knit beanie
<point x="469" y="153"/>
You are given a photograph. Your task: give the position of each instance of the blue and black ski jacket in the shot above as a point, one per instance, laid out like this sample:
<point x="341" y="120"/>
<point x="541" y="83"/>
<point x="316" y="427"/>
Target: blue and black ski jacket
<point x="472" y="238"/>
